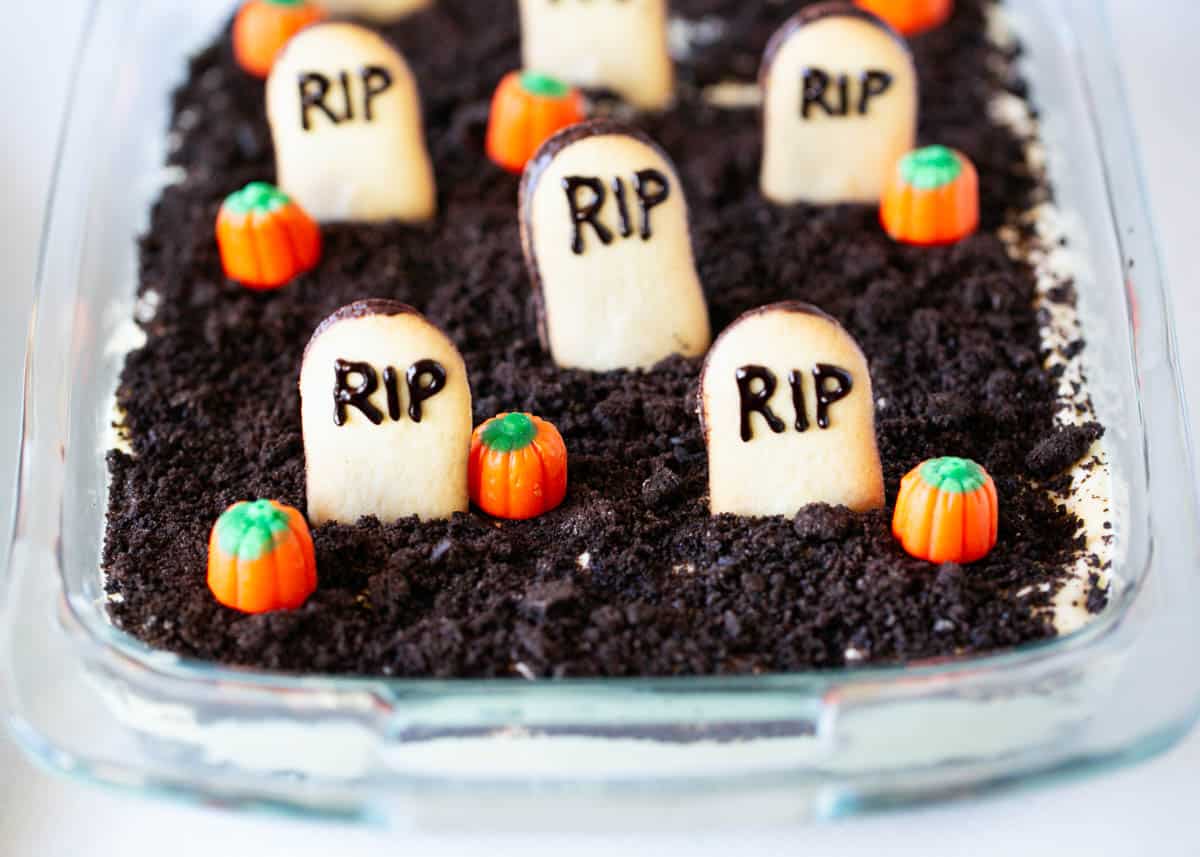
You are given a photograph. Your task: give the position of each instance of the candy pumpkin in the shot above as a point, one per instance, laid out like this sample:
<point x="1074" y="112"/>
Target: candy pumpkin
<point x="911" y="16"/>
<point x="263" y="27"/>
<point x="266" y="239"/>
<point x="932" y="198"/>
<point x="518" y="466"/>
<point x="527" y="110"/>
<point x="947" y="511"/>
<point x="260" y="558"/>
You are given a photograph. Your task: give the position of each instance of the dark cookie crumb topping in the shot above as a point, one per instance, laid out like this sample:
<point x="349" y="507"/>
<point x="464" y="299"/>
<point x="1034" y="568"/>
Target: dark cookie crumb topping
<point x="1062" y="449"/>
<point x="630" y="576"/>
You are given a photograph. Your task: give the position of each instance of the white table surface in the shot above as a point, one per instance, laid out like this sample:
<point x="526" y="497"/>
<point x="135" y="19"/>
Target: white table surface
<point x="1154" y="808"/>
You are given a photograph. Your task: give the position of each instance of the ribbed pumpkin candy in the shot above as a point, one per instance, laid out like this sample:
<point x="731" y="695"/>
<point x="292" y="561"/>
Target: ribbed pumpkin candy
<point x="932" y="198"/>
<point x="266" y="239"/>
<point x="527" y="110"/>
<point x="260" y="558"/>
<point x="947" y="511"/>
<point x="263" y="27"/>
<point x="518" y="466"/>
<point x="911" y="16"/>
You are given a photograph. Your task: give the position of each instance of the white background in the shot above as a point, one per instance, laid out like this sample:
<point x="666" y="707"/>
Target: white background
<point x="1154" y="808"/>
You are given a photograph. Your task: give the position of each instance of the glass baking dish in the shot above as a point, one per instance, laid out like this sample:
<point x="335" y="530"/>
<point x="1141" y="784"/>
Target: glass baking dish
<point x="88" y="700"/>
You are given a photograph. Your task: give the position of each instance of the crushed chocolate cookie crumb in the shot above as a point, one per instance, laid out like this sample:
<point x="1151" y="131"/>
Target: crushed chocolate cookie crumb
<point x="661" y="487"/>
<point x="1097" y="598"/>
<point x="1063" y="448"/>
<point x="821" y="522"/>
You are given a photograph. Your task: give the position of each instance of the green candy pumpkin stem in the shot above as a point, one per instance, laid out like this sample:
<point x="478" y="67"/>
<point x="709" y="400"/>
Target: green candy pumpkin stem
<point x="257" y="197"/>
<point x="930" y="168"/>
<point x="509" y="433"/>
<point x="953" y="475"/>
<point x="536" y="83"/>
<point x="247" y="530"/>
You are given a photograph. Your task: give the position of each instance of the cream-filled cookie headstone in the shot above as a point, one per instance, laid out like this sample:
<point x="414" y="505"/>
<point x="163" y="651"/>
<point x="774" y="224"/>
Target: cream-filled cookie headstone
<point x="611" y="44"/>
<point x="346" y="119"/>
<point x="839" y="107"/>
<point x="604" y="226"/>
<point x="788" y="416"/>
<point x="385" y="406"/>
<point x="377" y="10"/>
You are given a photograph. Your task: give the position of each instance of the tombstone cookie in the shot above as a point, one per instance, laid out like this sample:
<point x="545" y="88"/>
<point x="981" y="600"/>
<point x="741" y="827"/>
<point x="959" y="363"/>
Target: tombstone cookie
<point x="346" y="119"/>
<point x="788" y="416"/>
<point x="386" y="411"/>
<point x="376" y="10"/>
<point x="619" y="45"/>
<point x="604" y="226"/>
<point x="839" y="107"/>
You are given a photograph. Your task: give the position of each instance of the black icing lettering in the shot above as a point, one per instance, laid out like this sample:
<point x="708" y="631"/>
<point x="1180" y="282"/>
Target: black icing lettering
<point x="844" y="383"/>
<point x="652" y="189"/>
<point x="358" y="395"/>
<point x="874" y="83"/>
<point x="391" y="383"/>
<point x="348" y="111"/>
<point x="376" y="80"/>
<point x="796" y="380"/>
<point x="844" y="94"/>
<point x="313" y="89"/>
<point x="816" y="84"/>
<point x="817" y="92"/>
<point x="417" y="394"/>
<point x="755" y="401"/>
<point x="618" y="187"/>
<point x="586" y="214"/>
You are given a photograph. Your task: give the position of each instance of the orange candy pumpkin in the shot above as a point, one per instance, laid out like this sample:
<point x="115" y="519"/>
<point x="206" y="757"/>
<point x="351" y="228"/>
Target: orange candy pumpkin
<point x="265" y="239"/>
<point x="261" y="558"/>
<point x="947" y="511"/>
<point x="263" y="27"/>
<point x="518" y="466"/>
<point x="527" y="110"/>
<point x="932" y="198"/>
<point x="911" y="16"/>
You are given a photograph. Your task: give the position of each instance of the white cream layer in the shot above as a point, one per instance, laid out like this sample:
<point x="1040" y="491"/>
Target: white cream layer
<point x="1050" y="253"/>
